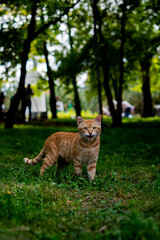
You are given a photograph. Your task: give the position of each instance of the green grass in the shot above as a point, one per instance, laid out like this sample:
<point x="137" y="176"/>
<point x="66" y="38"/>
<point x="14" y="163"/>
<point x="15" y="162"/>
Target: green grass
<point x="122" y="204"/>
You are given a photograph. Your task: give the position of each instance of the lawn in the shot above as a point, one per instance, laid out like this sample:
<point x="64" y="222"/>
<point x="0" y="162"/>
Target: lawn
<point x="122" y="203"/>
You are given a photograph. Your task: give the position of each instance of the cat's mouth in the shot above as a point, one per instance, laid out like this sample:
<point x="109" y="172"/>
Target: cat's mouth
<point x="90" y="137"/>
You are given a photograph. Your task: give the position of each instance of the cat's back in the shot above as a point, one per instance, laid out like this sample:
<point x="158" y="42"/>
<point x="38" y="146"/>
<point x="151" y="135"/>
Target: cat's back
<point x="65" y="143"/>
<point x="63" y="139"/>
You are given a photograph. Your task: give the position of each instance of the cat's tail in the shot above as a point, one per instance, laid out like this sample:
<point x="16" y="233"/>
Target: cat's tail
<point x="36" y="159"/>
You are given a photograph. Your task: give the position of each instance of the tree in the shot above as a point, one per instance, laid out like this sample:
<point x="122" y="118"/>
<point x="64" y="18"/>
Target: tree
<point x="32" y="33"/>
<point x="144" y="39"/>
<point x="73" y="75"/>
<point x="103" y="59"/>
<point x="121" y="68"/>
<point x="72" y="59"/>
<point x="105" y="64"/>
<point x="96" y="53"/>
<point x="51" y="84"/>
<point x="24" y="57"/>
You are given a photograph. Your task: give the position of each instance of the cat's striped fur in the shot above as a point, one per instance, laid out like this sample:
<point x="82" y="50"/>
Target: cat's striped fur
<point x="79" y="148"/>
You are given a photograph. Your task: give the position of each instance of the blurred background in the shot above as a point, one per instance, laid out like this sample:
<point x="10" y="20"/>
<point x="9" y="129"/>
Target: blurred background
<point x="69" y="58"/>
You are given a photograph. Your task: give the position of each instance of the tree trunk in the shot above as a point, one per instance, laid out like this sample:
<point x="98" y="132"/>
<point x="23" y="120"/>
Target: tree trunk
<point x="51" y="85"/>
<point x="115" y="87"/>
<point x="96" y="53"/>
<point x="10" y="118"/>
<point x="121" y="78"/>
<point x="147" y="110"/>
<point x="105" y="65"/>
<point x="76" y="97"/>
<point x="77" y="102"/>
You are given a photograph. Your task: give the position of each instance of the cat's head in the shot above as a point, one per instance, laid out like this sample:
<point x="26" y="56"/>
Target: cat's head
<point x="89" y="129"/>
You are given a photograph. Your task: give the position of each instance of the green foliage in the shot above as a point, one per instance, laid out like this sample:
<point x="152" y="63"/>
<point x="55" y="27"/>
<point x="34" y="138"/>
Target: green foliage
<point x="122" y="203"/>
<point x="141" y="44"/>
<point x="155" y="74"/>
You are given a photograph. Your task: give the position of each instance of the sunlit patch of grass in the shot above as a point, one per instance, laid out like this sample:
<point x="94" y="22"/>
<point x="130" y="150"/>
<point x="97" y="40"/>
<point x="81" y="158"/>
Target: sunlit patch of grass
<point x="71" y="114"/>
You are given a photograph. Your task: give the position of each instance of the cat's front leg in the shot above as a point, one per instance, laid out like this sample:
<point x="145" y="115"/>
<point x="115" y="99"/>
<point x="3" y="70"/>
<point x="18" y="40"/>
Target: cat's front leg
<point x="77" y="167"/>
<point x="91" y="170"/>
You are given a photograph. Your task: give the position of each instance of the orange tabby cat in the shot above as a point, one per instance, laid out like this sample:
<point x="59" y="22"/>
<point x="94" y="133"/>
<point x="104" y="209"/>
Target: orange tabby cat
<point x="79" y="148"/>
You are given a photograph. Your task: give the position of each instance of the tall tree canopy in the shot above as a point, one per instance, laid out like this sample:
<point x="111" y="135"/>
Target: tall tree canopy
<point x="115" y="42"/>
<point x="35" y="9"/>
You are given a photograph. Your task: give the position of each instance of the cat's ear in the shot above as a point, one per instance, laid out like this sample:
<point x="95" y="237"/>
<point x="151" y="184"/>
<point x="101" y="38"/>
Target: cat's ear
<point x="98" y="119"/>
<point x="79" y="120"/>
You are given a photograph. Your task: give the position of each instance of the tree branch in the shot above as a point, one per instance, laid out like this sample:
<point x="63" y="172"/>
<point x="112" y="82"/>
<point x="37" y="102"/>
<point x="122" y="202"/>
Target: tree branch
<point x="52" y="22"/>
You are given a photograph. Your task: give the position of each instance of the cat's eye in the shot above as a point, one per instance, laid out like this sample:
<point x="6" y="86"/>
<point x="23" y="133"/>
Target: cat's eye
<point x="85" y="128"/>
<point x="94" y="127"/>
